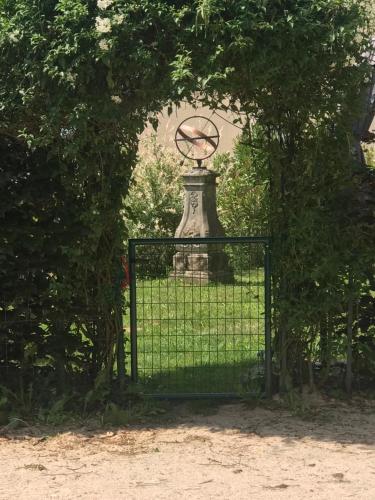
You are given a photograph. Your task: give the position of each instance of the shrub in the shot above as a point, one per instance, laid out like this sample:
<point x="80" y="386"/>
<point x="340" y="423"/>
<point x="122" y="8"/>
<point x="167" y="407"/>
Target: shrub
<point x="242" y="203"/>
<point x="154" y="204"/>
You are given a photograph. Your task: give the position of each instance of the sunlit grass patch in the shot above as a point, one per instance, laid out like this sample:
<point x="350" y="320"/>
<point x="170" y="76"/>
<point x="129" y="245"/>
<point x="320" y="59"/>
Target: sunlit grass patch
<point x="206" y="338"/>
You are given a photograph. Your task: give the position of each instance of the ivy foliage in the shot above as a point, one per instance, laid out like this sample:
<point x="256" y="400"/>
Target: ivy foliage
<point x="297" y="68"/>
<point x="39" y="301"/>
<point x="80" y="81"/>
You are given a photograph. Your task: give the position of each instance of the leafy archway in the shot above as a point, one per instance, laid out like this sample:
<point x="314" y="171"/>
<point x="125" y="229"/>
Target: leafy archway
<point x="81" y="79"/>
<point x="296" y="69"/>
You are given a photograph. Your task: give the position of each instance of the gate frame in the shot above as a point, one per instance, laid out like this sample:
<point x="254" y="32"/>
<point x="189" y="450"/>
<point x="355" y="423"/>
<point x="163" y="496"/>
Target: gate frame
<point x="266" y="241"/>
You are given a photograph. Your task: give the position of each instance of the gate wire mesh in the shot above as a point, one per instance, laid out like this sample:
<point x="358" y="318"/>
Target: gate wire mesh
<point x="200" y="316"/>
<point x="32" y="342"/>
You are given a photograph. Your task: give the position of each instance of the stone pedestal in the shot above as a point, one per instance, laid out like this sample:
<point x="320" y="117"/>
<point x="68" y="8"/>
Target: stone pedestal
<point x="201" y="263"/>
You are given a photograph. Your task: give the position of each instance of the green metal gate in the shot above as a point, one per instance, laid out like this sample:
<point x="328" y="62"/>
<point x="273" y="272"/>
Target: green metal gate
<point x="205" y="331"/>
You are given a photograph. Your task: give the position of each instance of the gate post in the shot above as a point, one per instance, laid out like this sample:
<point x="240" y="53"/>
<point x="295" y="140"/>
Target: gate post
<point x="267" y="319"/>
<point x="133" y="311"/>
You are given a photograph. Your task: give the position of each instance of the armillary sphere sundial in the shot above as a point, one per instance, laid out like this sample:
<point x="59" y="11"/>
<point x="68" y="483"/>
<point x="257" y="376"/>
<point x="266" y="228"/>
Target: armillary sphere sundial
<point x="197" y="138"/>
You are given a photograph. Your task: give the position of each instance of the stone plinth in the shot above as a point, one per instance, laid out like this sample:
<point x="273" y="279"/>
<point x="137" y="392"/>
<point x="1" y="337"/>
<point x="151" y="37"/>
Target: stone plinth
<point x="201" y="263"/>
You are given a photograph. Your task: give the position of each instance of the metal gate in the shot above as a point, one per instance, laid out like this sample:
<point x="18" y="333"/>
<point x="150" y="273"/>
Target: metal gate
<point x="200" y="316"/>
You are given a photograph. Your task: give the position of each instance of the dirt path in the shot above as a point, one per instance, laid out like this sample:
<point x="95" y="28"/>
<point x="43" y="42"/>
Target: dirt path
<point x="237" y="453"/>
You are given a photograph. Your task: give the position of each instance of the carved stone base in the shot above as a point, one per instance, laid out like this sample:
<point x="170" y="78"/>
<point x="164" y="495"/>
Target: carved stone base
<point x="202" y="263"/>
<point x="202" y="268"/>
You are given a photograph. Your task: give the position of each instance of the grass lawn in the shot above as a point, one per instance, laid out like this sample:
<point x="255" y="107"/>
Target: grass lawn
<point x="201" y="338"/>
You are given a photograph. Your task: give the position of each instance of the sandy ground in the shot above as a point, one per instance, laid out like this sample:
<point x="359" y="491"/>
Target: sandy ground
<point x="234" y="453"/>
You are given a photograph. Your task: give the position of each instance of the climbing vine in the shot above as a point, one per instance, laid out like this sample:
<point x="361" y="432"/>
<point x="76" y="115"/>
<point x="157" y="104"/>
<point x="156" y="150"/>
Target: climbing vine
<point x="80" y="80"/>
<point x="296" y="69"/>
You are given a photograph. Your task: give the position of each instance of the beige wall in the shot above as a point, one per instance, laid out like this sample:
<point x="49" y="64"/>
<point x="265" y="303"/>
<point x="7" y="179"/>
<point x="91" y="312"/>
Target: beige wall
<point x="168" y="125"/>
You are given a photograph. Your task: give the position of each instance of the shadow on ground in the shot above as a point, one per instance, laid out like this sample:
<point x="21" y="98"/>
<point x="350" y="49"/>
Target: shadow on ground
<point x="319" y="419"/>
<point x="232" y="378"/>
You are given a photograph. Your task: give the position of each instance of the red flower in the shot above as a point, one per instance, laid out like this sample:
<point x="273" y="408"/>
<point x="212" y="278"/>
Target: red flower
<point x="125" y="282"/>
